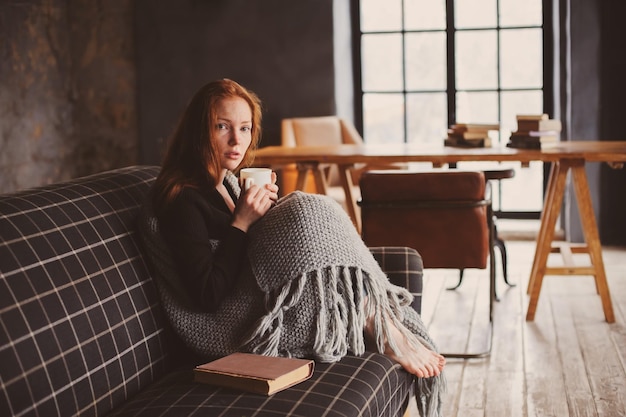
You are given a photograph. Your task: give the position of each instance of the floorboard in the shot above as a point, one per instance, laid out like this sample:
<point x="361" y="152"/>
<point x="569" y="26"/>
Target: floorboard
<point x="567" y="362"/>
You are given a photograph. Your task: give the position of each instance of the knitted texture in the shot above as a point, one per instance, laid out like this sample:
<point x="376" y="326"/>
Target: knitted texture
<point x="310" y="285"/>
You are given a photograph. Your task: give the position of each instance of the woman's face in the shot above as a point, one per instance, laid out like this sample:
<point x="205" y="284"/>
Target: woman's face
<point x="233" y="131"/>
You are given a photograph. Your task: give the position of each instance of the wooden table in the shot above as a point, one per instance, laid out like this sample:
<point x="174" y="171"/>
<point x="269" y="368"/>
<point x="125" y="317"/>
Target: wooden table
<point x="565" y="157"/>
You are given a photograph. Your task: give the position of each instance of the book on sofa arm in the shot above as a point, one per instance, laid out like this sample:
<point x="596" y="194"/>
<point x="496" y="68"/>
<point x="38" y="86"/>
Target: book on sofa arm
<point x="254" y="373"/>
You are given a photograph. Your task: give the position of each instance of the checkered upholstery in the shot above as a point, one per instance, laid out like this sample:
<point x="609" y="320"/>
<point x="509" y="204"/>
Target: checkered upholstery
<point x="404" y="268"/>
<point x="82" y="333"/>
<point x="371" y="386"/>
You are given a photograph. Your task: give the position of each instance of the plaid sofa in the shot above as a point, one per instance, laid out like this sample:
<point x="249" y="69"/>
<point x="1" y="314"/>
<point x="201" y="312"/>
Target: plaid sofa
<point x="82" y="332"/>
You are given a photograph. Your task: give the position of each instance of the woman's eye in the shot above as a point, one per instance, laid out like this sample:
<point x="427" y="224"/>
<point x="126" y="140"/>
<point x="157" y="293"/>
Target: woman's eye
<point x="222" y="126"/>
<point x="246" y="128"/>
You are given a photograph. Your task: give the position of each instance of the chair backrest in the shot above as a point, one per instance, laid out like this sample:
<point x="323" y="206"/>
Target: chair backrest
<point x="444" y="215"/>
<point x="318" y="131"/>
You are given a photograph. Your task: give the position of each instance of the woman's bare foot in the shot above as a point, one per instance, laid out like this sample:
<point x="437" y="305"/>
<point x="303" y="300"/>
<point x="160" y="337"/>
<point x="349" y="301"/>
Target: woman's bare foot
<point x="414" y="357"/>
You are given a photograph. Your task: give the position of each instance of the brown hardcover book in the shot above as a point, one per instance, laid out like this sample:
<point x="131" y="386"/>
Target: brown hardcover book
<point x="542" y="116"/>
<point x="474" y="127"/>
<point x="254" y="373"/>
<point x="524" y="145"/>
<point x="468" y="134"/>
<point x="539" y="137"/>
<point x="539" y="125"/>
<point x="467" y="143"/>
<point x="524" y="141"/>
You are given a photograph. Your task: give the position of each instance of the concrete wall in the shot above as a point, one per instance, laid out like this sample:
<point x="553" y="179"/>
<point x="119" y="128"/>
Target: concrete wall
<point x="597" y="91"/>
<point x="87" y="86"/>
<point x="67" y="90"/>
<point x="612" y="186"/>
<point x="282" y="50"/>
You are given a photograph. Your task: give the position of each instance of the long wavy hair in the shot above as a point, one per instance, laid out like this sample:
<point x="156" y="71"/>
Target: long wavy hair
<point x="191" y="158"/>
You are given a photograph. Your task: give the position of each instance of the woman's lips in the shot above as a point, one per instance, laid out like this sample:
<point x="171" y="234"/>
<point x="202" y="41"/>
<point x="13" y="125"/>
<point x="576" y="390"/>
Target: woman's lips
<point x="233" y="155"/>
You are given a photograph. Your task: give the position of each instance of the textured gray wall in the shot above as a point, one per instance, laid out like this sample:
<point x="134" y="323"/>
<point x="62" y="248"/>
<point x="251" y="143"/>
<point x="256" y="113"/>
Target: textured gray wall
<point x="612" y="183"/>
<point x="67" y="90"/>
<point x="282" y="50"/>
<point x="598" y="88"/>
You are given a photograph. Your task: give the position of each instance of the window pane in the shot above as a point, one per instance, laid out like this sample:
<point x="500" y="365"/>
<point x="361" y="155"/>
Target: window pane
<point x="424" y="14"/>
<point x="426" y="61"/>
<point x="524" y="192"/>
<point x="382" y="62"/>
<point x="383" y="118"/>
<point x="475" y="13"/>
<point x="477" y="66"/>
<point x="520" y="13"/>
<point x="521" y="58"/>
<point x="427" y="117"/>
<point x="477" y="107"/>
<point x="381" y="15"/>
<point x="519" y="102"/>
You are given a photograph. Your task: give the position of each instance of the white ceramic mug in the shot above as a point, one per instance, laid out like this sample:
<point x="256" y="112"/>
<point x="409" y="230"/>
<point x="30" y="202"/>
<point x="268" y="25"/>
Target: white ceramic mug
<point x="258" y="176"/>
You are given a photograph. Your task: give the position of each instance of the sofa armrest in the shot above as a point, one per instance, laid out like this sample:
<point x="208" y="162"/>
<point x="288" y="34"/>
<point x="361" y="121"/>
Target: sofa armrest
<point x="404" y="268"/>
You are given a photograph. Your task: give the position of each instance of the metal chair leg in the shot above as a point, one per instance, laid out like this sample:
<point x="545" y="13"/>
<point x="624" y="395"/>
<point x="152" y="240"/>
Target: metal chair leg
<point x="500" y="245"/>
<point x="458" y="284"/>
<point x="492" y="297"/>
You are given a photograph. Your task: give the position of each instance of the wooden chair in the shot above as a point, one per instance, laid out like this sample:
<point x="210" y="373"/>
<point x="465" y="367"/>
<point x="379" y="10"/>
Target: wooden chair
<point x="321" y="131"/>
<point x="445" y="215"/>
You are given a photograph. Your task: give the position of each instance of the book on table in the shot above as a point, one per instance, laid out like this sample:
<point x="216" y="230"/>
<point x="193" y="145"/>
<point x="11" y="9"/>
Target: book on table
<point x="254" y="373"/>
<point x="459" y="141"/>
<point x="540" y="125"/>
<point x="470" y="135"/>
<point x="542" y="116"/>
<point x="474" y="127"/>
<point x="536" y="135"/>
<point x="534" y="140"/>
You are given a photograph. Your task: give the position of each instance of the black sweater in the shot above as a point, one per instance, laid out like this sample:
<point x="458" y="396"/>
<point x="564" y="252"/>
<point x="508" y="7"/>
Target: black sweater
<point x="188" y="224"/>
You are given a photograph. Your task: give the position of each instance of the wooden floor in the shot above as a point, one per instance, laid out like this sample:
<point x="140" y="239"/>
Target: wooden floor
<point x="568" y="362"/>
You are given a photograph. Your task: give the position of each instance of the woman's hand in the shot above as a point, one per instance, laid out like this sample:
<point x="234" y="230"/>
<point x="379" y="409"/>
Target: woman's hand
<point x="273" y="188"/>
<point x="254" y="203"/>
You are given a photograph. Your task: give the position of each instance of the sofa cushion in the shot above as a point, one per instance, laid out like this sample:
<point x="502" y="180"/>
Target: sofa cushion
<point x="81" y="328"/>
<point x="368" y="386"/>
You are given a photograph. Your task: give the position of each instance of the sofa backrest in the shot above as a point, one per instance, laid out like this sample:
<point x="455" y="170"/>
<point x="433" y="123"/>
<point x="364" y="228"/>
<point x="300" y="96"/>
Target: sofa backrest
<point x="80" y="324"/>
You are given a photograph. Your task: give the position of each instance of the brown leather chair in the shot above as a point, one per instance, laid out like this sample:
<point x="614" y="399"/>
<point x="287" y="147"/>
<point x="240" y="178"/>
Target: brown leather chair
<point x="445" y="215"/>
<point x="495" y="175"/>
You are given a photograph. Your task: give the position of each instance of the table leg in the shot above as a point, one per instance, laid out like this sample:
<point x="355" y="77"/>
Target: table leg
<point x="592" y="238"/>
<point x="318" y="176"/>
<point x="351" y="203"/>
<point x="552" y="208"/>
<point x="320" y="180"/>
<point x="547" y="203"/>
<point x="303" y="171"/>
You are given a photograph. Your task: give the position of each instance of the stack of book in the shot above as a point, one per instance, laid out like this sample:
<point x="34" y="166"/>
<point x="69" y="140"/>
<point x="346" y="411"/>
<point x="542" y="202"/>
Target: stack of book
<point x="534" y="131"/>
<point x="470" y="135"/>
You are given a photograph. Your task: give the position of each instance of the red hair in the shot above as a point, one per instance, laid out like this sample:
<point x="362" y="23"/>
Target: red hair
<point x="191" y="158"/>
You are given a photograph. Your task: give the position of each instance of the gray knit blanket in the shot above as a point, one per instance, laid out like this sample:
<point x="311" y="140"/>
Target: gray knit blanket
<point x="308" y="286"/>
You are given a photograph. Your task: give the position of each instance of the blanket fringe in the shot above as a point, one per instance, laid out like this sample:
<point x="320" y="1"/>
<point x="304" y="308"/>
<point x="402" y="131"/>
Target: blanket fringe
<point x="340" y="320"/>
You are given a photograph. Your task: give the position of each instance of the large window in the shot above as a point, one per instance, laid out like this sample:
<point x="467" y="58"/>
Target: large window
<point x="427" y="64"/>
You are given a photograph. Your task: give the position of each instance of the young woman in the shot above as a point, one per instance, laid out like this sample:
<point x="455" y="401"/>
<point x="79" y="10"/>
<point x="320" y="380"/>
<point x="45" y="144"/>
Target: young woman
<point x="247" y="271"/>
